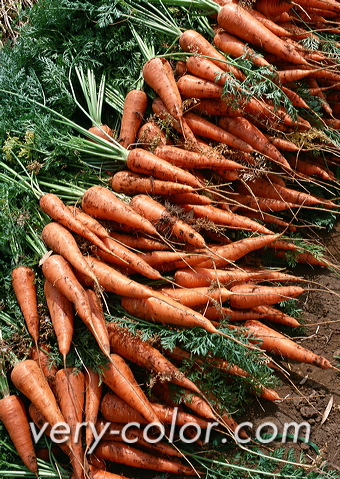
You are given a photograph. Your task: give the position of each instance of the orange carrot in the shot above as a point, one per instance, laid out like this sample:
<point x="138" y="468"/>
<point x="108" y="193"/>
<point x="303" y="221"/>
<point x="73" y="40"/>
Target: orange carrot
<point x="233" y="46"/>
<point x="193" y="42"/>
<point x="215" y="107"/>
<point x="98" y="324"/>
<point x="55" y="208"/>
<point x="205" y="68"/>
<point x="124" y="257"/>
<point x="113" y="408"/>
<point x="145" y="162"/>
<point x="225" y="218"/>
<point x="277" y="343"/>
<point x="196" y="297"/>
<point x="111" y="280"/>
<point x="238" y="21"/>
<point x="193" y="159"/>
<point x="100" y="474"/>
<point x="189" y="198"/>
<point x="133" y="183"/>
<point x="157" y="214"/>
<point x="26" y="294"/>
<point x="259" y="203"/>
<point x="61" y="241"/>
<point x="142" y="353"/>
<point x="104" y="204"/>
<point x="93" y="394"/>
<point x="14" y="417"/>
<point x="123" y="454"/>
<point x="246" y="131"/>
<point x="159" y="76"/>
<point x="28" y="378"/>
<point x="138" y="242"/>
<point x="61" y="313"/>
<point x="310" y="169"/>
<point x="43" y="358"/>
<point x="135" y="104"/>
<point x="151" y="135"/>
<point x="70" y="387"/>
<point x="120" y="379"/>
<point x="248" y="296"/>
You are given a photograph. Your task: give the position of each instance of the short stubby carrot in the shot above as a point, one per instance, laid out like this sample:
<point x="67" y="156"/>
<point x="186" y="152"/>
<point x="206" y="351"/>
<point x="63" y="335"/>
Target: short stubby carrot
<point x="276" y="343"/>
<point x="14" y="417"/>
<point x="23" y="284"/>
<point x="134" y="109"/>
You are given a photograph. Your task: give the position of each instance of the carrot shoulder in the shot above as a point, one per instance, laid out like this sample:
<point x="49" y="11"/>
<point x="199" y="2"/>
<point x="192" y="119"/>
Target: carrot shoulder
<point x="23" y="284"/>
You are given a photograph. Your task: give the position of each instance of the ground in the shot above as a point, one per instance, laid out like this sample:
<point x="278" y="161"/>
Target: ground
<point x="313" y="388"/>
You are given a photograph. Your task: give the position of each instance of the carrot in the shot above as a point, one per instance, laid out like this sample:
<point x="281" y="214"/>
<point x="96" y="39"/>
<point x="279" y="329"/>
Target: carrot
<point x="123" y="454"/>
<point x="205" y="128"/>
<point x="120" y="379"/>
<point x="55" y="208"/>
<point x="247" y="296"/>
<point x="233" y="46"/>
<point x="26" y="294"/>
<point x="215" y="107"/>
<point x="198" y="277"/>
<point x="14" y="417"/>
<point x="143" y="354"/>
<point x="159" y="76"/>
<point x="98" y="324"/>
<point x="274" y="8"/>
<point x="205" y="68"/>
<point x="104" y="204"/>
<point x="124" y="257"/>
<point x="46" y="363"/>
<point x="196" y="297"/>
<point x="145" y="162"/>
<point x="100" y="474"/>
<point x="277" y="343"/>
<point x="193" y="159"/>
<point x="191" y="86"/>
<point x="263" y="188"/>
<point x="151" y="135"/>
<point x="28" y="378"/>
<point x="193" y="42"/>
<point x="135" y="104"/>
<point x="113" y="408"/>
<point x="157" y="214"/>
<point x="91" y="223"/>
<point x="166" y="311"/>
<point x="238" y="21"/>
<point x="306" y="258"/>
<point x="225" y="218"/>
<point x="189" y="198"/>
<point x="93" y="394"/>
<point x="288" y="76"/>
<point x="246" y="131"/>
<point x="271" y="219"/>
<point x="70" y="388"/>
<point x="135" y="435"/>
<point x="137" y="242"/>
<point x="282" y="143"/>
<point x="259" y="203"/>
<point x="61" y="241"/>
<point x="310" y="169"/>
<point x="61" y="313"/>
<point x="132" y="183"/>
<point x="328" y="5"/>
<point x="112" y="280"/>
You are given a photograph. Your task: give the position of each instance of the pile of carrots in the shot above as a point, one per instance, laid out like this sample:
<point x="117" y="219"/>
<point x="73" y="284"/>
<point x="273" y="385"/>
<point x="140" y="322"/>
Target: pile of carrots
<point x="199" y="169"/>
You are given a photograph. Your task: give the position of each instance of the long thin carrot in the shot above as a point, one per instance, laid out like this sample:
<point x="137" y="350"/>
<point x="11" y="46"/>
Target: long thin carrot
<point x="23" y="284"/>
<point x="102" y="203"/>
<point x="28" y="378"/>
<point x="102" y="474"/>
<point x="158" y="215"/>
<point x="120" y="379"/>
<point x="62" y="317"/>
<point x="142" y="353"/>
<point x="93" y="394"/>
<point x="61" y="241"/>
<point x="276" y="343"/>
<point x="70" y="387"/>
<point x="135" y="104"/>
<point x="249" y="296"/>
<point x="98" y="324"/>
<point x="13" y="415"/>
<point x="138" y="242"/>
<point x="123" y="454"/>
<point x="196" y="297"/>
<point x="91" y="223"/>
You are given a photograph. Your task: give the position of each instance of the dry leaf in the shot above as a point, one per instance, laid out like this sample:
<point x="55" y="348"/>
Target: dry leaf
<point x="327" y="410"/>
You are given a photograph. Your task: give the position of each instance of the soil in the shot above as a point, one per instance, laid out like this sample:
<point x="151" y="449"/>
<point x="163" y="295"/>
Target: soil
<point x="310" y="390"/>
